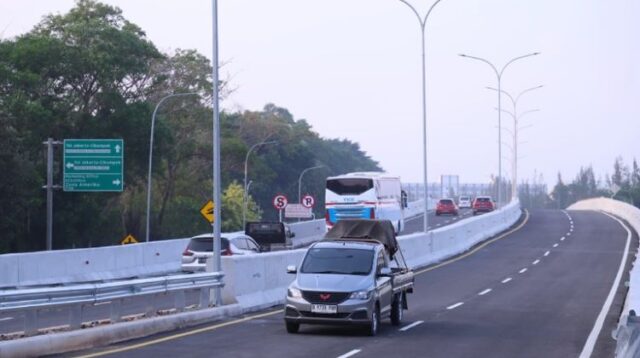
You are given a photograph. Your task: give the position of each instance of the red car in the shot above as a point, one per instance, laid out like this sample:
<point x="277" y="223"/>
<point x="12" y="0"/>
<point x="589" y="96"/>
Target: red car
<point x="446" y="206"/>
<point x="482" y="204"/>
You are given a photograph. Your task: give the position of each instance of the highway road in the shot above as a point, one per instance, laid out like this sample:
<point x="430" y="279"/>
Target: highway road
<point x="538" y="291"/>
<point x="11" y="323"/>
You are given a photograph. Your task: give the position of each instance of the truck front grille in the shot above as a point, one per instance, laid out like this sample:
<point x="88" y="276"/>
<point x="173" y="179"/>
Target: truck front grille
<point x="326" y="298"/>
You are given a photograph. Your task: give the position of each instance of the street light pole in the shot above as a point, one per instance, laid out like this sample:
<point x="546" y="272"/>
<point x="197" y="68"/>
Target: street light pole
<point x="246" y="164"/>
<point x="153" y="123"/>
<point x="516" y="118"/>
<point x="423" y="25"/>
<point x="499" y="77"/>
<point x="300" y="180"/>
<point x="216" y="174"/>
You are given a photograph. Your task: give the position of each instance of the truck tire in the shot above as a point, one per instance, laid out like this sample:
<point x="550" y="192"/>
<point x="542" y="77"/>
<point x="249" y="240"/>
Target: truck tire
<point x="292" y="327"/>
<point x="396" y="310"/>
<point x="372" y="327"/>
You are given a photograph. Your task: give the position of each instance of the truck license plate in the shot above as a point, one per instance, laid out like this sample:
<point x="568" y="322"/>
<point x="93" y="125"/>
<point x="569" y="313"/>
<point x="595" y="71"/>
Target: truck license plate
<point x="324" y="309"/>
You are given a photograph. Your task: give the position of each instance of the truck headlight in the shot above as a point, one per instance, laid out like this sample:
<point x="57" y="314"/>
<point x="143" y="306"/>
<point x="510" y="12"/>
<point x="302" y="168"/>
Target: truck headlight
<point x="360" y="295"/>
<point x="294" y="292"/>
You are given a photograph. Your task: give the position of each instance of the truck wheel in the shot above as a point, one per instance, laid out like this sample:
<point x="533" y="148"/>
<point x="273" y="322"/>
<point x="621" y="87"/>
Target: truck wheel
<point x="292" y="327"/>
<point x="372" y="328"/>
<point x="396" y="310"/>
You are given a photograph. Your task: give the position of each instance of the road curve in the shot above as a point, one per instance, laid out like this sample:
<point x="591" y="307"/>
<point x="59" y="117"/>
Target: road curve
<point x="537" y="292"/>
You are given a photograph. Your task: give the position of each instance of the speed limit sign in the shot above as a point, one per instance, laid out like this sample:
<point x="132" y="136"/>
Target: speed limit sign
<point x="308" y="201"/>
<point x="280" y="202"/>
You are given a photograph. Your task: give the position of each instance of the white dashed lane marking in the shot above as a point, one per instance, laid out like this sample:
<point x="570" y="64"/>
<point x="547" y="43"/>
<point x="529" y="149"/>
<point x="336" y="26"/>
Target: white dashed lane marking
<point x="536" y="262"/>
<point x="506" y="280"/>
<point x="484" y="292"/>
<point x="350" y="353"/>
<point x="547" y="253"/>
<point x="555" y="245"/>
<point x="562" y="238"/>
<point x="408" y="327"/>
<point x="523" y="270"/>
<point x="6" y="319"/>
<point x="455" y="305"/>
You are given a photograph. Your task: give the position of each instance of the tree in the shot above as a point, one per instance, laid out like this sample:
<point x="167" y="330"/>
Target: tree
<point x="560" y="194"/>
<point x="232" y="201"/>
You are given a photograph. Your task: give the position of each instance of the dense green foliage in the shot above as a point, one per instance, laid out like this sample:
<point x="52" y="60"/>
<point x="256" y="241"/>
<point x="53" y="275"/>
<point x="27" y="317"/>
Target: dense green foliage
<point x="90" y="73"/>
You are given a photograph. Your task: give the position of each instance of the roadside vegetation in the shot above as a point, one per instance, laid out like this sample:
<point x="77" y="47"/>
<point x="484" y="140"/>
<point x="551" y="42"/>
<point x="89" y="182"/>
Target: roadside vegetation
<point x="90" y="73"/>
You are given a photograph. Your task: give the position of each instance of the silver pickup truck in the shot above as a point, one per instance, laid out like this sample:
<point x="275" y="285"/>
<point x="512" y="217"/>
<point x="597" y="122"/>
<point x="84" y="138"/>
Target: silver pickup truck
<point x="356" y="275"/>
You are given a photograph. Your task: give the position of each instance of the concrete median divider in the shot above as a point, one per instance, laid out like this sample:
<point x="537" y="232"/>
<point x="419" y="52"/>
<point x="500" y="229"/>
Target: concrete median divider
<point x="627" y="333"/>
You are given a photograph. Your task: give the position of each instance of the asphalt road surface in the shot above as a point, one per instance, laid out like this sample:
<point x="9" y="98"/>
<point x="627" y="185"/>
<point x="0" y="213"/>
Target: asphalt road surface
<point x="11" y="323"/>
<point x="537" y="291"/>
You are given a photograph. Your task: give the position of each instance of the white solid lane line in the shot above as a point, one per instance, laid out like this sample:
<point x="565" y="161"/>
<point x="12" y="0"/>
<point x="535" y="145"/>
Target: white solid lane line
<point x="555" y="245"/>
<point x="523" y="270"/>
<point x="546" y="253"/>
<point x="484" y="292"/>
<point x="408" y="327"/>
<point x="536" y="262"/>
<point x="6" y="319"/>
<point x="455" y="305"/>
<point x="506" y="280"/>
<point x="597" y="327"/>
<point x="102" y="303"/>
<point x="350" y="353"/>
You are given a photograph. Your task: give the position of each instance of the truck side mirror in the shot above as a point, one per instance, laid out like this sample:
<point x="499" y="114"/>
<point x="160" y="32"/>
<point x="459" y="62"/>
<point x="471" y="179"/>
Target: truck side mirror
<point x="291" y="269"/>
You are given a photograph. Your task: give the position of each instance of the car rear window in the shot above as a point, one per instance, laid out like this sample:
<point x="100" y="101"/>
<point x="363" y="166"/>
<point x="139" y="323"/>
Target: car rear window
<point x="464" y="198"/>
<point x="350" y="186"/>
<point x="446" y="201"/>
<point x="483" y="200"/>
<point x="205" y="244"/>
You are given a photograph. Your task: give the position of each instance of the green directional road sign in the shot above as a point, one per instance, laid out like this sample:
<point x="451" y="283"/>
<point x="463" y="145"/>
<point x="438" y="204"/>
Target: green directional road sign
<point x="93" y="164"/>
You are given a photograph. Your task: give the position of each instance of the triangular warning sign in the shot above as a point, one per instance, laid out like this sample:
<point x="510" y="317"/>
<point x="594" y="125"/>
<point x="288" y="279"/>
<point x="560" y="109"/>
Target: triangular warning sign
<point x="129" y="240"/>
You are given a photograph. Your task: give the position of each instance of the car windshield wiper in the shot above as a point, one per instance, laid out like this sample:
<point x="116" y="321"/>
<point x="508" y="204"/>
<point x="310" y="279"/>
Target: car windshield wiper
<point x="337" y="272"/>
<point x="358" y="273"/>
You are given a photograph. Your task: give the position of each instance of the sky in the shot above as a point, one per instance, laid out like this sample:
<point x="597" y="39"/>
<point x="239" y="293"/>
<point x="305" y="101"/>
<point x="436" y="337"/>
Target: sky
<point x="353" y="70"/>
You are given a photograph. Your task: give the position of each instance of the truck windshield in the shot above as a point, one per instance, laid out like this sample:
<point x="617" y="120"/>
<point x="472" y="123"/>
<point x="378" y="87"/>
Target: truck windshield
<point x="338" y="261"/>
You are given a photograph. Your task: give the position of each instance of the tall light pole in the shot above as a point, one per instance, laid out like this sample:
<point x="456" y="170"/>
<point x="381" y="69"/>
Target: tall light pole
<point x="246" y="166"/>
<point x="516" y="117"/>
<point x="499" y="76"/>
<point x="423" y="26"/>
<point x="300" y="180"/>
<point x="216" y="175"/>
<point x="153" y="123"/>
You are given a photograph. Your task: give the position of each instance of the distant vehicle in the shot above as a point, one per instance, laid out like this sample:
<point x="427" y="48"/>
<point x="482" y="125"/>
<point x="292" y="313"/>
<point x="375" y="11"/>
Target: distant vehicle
<point x="194" y="257"/>
<point x="367" y="195"/>
<point x="446" y="206"/>
<point x="482" y="204"/>
<point x="464" y="202"/>
<point x="355" y="276"/>
<point x="270" y="235"/>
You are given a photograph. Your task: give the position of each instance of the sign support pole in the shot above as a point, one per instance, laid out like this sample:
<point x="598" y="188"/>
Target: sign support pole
<point x="49" y="143"/>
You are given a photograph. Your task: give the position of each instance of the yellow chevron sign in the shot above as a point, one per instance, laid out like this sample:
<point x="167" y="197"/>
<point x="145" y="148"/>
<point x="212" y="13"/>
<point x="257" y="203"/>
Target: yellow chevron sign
<point x="207" y="211"/>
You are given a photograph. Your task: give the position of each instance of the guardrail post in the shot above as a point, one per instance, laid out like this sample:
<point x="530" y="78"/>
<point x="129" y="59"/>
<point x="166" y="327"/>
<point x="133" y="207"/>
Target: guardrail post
<point x="75" y="316"/>
<point x="115" y="314"/>
<point x="180" y="301"/>
<point x="30" y="322"/>
<point x="205" y="294"/>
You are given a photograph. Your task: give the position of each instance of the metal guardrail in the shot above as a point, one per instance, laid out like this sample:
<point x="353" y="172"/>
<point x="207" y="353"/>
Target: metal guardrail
<point x="75" y="297"/>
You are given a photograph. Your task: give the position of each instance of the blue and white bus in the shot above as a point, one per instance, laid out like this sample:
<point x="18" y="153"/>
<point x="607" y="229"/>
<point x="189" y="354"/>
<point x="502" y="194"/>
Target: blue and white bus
<point x="367" y="195"/>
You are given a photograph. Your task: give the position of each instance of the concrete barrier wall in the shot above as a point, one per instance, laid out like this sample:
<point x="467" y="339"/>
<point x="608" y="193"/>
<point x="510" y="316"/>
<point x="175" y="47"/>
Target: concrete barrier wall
<point x="261" y="281"/>
<point x="628" y="332"/>
<point x="113" y="262"/>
